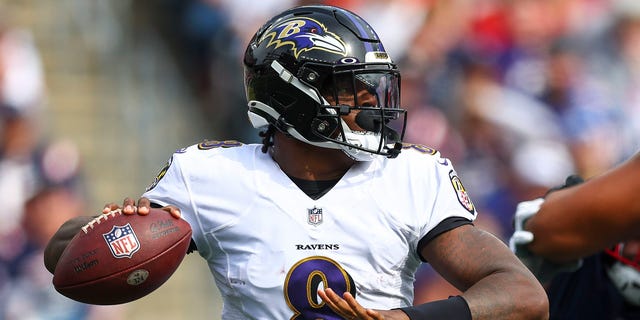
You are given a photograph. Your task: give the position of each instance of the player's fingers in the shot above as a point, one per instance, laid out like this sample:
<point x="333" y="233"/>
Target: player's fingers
<point x="110" y="207"/>
<point x="128" y="206"/>
<point x="351" y="301"/>
<point x="323" y="295"/>
<point x="360" y="311"/>
<point x="173" y="210"/>
<point x="143" y="206"/>
<point x="329" y="302"/>
<point x="375" y="314"/>
<point x="339" y="305"/>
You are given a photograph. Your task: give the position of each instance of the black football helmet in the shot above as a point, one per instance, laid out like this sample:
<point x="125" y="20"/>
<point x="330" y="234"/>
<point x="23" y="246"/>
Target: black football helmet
<point x="302" y="65"/>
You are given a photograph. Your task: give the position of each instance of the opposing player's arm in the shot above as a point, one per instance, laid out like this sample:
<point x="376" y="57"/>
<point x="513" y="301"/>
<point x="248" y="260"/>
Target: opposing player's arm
<point x="584" y="219"/>
<point x="495" y="284"/>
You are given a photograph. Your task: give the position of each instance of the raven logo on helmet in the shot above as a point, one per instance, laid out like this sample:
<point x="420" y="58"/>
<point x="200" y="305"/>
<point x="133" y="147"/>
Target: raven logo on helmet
<point x="304" y="34"/>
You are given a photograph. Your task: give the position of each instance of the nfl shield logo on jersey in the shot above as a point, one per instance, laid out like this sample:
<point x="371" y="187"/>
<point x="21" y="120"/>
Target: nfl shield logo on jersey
<point x="122" y="241"/>
<point x="314" y="216"/>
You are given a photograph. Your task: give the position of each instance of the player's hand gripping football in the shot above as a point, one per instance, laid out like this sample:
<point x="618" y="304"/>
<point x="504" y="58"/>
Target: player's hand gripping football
<point x="347" y="307"/>
<point x="129" y="207"/>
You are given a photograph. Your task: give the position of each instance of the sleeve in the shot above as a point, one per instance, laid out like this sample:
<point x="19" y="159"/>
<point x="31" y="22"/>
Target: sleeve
<point x="170" y="187"/>
<point x="174" y="186"/>
<point x="452" y="206"/>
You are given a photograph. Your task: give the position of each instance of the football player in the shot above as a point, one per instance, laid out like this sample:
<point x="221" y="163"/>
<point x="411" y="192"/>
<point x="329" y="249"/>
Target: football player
<point x="332" y="214"/>
<point x="574" y="222"/>
<point x="582" y="242"/>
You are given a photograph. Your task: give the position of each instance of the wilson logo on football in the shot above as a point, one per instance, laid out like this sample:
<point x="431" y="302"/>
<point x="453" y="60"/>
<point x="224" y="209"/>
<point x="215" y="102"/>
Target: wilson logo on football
<point x="122" y="241"/>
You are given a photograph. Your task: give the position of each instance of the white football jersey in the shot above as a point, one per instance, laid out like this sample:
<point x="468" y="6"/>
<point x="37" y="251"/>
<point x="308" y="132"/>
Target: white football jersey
<point x="270" y="247"/>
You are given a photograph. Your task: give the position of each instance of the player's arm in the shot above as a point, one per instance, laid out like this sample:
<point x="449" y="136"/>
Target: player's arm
<point x="61" y="239"/>
<point x="578" y="221"/>
<point x="495" y="284"/>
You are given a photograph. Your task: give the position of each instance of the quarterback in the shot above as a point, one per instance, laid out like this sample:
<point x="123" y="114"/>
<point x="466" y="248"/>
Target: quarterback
<point x="332" y="214"/>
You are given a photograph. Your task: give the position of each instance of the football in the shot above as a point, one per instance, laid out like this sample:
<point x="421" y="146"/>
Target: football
<point x="119" y="258"/>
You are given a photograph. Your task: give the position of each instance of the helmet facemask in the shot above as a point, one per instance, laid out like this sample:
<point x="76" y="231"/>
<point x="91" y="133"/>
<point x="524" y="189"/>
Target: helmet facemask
<point x="361" y="112"/>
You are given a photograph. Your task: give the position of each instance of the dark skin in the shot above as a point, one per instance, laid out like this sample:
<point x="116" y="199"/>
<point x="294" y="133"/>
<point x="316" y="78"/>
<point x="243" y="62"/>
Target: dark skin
<point x="582" y="220"/>
<point x="495" y="283"/>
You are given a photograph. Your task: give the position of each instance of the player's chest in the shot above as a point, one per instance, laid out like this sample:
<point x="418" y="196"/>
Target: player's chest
<point x="313" y="227"/>
<point x="291" y="250"/>
<point x="352" y="228"/>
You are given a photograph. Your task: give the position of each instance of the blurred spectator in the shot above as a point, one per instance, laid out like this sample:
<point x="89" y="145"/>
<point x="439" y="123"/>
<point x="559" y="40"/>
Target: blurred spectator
<point x="398" y="21"/>
<point x="500" y="127"/>
<point x="615" y="61"/>
<point x="209" y="38"/>
<point x="28" y="292"/>
<point x="21" y="94"/>
<point x="584" y="106"/>
<point x="39" y="189"/>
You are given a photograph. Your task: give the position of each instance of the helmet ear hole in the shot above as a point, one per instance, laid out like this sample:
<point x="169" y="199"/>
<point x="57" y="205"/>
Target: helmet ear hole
<point x="325" y="127"/>
<point x="310" y="76"/>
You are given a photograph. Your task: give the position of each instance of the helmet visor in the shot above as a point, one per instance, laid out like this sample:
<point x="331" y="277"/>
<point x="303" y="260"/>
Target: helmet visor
<point x="368" y="101"/>
<point x="363" y="88"/>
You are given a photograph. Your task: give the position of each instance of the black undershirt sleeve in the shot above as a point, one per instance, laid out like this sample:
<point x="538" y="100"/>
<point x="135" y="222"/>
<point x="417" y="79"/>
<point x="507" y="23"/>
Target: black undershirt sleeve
<point x="454" y="308"/>
<point x="444" y="226"/>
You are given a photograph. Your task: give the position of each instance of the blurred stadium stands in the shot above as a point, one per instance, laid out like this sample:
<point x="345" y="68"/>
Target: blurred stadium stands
<point x="112" y="89"/>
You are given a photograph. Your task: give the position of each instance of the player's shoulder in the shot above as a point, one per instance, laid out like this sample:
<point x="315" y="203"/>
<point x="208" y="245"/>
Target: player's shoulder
<point x="220" y="152"/>
<point x="416" y="158"/>
<point x="208" y="147"/>
<point x="420" y="153"/>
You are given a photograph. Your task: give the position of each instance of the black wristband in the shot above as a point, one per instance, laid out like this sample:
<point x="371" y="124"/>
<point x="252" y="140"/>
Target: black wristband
<point x="454" y="308"/>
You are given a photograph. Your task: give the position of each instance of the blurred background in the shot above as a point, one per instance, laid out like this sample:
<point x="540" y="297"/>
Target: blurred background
<point x="96" y="95"/>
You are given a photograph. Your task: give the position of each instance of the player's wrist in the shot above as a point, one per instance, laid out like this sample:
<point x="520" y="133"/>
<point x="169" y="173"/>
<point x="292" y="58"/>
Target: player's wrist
<point x="454" y="308"/>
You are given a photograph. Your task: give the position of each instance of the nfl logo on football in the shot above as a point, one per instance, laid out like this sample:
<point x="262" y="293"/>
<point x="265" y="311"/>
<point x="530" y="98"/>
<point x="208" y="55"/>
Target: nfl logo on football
<point x="314" y="216"/>
<point x="122" y="241"/>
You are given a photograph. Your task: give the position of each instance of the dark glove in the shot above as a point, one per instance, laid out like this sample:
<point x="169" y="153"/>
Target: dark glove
<point x="571" y="181"/>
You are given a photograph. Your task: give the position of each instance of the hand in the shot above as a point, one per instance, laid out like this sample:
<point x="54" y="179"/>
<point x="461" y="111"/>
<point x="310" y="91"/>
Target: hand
<point x="522" y="237"/>
<point x="347" y="307"/>
<point x="542" y="268"/>
<point x="129" y="207"/>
